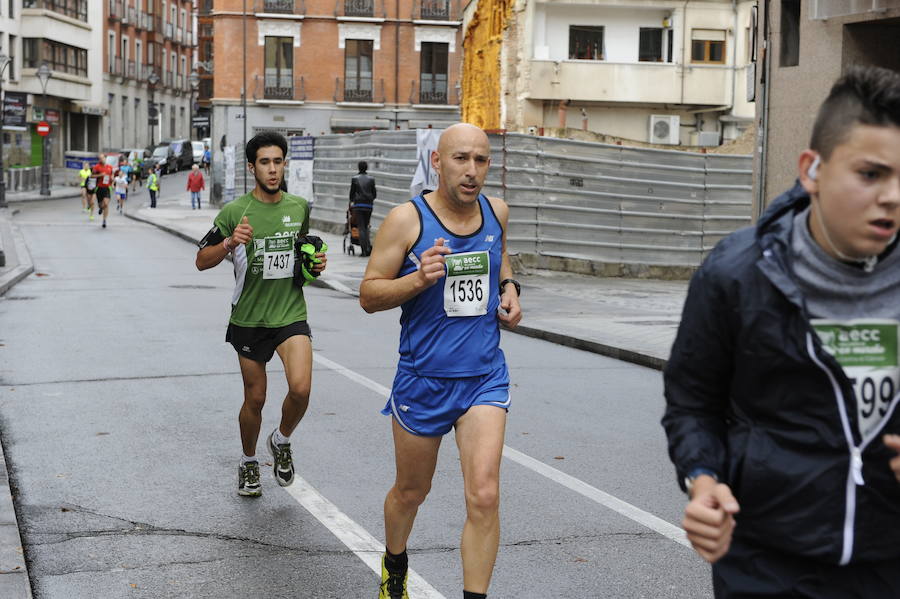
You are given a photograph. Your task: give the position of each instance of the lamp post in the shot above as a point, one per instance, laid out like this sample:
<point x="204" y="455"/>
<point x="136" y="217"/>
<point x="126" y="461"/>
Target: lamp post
<point x="44" y="74"/>
<point x="194" y="80"/>
<point x="4" y="62"/>
<point x="152" y="80"/>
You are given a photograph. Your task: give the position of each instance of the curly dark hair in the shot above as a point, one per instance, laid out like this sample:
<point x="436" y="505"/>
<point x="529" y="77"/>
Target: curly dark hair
<point x="864" y="95"/>
<point x="264" y="140"/>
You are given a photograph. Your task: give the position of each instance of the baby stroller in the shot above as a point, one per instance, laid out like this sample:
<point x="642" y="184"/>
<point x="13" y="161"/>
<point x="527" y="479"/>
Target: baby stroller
<point x="351" y="234"/>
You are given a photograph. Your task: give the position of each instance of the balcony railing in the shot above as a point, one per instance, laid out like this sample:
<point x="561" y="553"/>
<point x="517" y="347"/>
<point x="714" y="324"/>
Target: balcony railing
<point x="433" y="10"/>
<point x="72" y="10"/>
<point x="169" y="31"/>
<point x="355" y="8"/>
<point x="179" y="82"/>
<point x="115" y="66"/>
<point x="283" y="7"/>
<point x="169" y="78"/>
<point x="275" y="87"/>
<point x="115" y="9"/>
<point x="359" y="89"/>
<point x="131" y="71"/>
<point x="429" y="92"/>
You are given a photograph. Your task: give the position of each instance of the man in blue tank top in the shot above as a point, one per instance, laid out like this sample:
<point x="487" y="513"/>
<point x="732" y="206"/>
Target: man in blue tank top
<point x="442" y="258"/>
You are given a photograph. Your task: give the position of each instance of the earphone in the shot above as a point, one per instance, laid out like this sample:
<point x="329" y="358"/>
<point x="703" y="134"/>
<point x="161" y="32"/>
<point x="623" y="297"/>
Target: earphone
<point x="813" y="170"/>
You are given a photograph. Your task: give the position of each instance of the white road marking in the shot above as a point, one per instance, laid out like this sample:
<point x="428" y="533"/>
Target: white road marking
<point x="654" y="523"/>
<point x="355" y="537"/>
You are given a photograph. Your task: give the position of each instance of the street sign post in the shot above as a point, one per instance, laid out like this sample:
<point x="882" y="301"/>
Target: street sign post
<point x="43" y="128"/>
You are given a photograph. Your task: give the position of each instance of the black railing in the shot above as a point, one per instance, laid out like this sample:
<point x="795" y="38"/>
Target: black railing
<point x="433" y="97"/>
<point x="359" y="89"/>
<point x="359" y="8"/>
<point x="434" y="10"/>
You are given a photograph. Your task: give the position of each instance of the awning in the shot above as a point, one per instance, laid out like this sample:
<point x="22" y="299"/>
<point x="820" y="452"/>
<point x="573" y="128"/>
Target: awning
<point x="89" y="109"/>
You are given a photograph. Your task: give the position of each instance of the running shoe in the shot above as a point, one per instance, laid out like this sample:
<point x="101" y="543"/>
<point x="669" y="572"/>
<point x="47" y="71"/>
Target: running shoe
<point x="104" y="224"/>
<point x="393" y="586"/>
<point x="248" y="480"/>
<point x="282" y="464"/>
<point x="92" y="216"/>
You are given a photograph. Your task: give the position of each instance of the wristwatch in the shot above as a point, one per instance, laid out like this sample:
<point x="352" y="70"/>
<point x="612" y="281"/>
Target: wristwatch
<point x="515" y="284"/>
<point x="692" y="476"/>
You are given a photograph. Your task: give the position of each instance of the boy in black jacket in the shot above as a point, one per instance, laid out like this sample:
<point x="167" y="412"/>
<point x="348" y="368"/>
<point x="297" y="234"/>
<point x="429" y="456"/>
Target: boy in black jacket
<point x="782" y="387"/>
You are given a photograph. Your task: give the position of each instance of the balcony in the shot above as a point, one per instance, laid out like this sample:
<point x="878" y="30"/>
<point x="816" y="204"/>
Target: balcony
<point x="433" y="93"/>
<point x="74" y="11"/>
<point x="356" y="8"/>
<point x="169" y="78"/>
<point x="131" y="70"/>
<point x="115" y="66"/>
<point x="362" y="90"/>
<point x="656" y="83"/>
<point x="146" y="69"/>
<point x="281" y="7"/>
<point x="128" y="17"/>
<point x="206" y="7"/>
<point x="169" y="31"/>
<point x="432" y="10"/>
<point x="115" y="10"/>
<point x="275" y="87"/>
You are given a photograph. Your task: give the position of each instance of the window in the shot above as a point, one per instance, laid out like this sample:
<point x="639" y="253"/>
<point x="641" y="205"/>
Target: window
<point x="12" y="58"/>
<point x="112" y="52"/>
<point x="650" y="48"/>
<point x="59" y="57"/>
<point x="585" y="42"/>
<point x="708" y="45"/>
<point x="171" y="121"/>
<point x="433" y="78"/>
<point x="789" y="55"/>
<point x="358" y="71"/>
<point x="279" y="77"/>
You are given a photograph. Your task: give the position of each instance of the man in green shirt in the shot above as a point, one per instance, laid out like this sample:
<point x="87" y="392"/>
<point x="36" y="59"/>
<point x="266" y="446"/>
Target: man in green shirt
<point x="268" y="312"/>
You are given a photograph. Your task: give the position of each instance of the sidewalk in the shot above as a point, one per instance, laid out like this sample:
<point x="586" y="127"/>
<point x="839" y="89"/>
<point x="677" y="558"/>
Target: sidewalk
<point x="629" y="319"/>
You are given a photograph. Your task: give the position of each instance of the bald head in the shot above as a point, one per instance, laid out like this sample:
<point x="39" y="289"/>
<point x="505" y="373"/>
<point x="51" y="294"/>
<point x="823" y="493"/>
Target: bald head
<point x="461" y="134"/>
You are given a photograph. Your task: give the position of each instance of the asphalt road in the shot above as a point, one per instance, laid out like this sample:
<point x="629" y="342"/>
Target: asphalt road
<point x="118" y="408"/>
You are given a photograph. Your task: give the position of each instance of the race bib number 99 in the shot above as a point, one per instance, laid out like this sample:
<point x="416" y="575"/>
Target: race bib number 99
<point x="867" y="350"/>
<point x="278" y="258"/>
<point x="466" y="286"/>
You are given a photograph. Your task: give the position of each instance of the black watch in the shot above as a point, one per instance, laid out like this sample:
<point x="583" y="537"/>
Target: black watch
<point x="514" y="282"/>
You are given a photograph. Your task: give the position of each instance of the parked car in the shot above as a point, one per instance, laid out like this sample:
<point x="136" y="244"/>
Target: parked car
<point x="197" y="147"/>
<point x="184" y="154"/>
<point x="163" y="156"/>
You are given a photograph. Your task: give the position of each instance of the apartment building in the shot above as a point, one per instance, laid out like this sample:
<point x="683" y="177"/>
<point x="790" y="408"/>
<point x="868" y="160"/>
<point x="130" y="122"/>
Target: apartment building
<point x="148" y="52"/>
<point x="61" y="35"/>
<point x="656" y="71"/>
<point x="812" y="42"/>
<point x="313" y="67"/>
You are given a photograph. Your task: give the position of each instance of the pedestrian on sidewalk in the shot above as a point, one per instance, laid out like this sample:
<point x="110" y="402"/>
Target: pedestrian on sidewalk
<point x="206" y="159"/>
<point x="84" y="176"/>
<point x="121" y="186"/>
<point x="195" y="184"/>
<point x="452" y="373"/>
<point x="268" y="312"/>
<point x="781" y="389"/>
<point x="362" y="196"/>
<point x="153" y="184"/>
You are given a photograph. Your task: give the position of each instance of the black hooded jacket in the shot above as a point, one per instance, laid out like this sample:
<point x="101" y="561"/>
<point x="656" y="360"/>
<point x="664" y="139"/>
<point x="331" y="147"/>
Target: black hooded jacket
<point x="752" y="395"/>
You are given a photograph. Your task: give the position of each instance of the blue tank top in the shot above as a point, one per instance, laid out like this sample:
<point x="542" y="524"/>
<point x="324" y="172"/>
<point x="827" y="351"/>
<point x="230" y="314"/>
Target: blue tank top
<point x="432" y="343"/>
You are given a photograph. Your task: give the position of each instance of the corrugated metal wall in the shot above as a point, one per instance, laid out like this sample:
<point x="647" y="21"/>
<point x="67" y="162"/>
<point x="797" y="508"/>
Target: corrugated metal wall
<point x="571" y="199"/>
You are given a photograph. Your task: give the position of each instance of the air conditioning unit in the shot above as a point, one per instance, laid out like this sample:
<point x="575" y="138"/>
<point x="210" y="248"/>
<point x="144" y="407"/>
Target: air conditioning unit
<point x="664" y="129"/>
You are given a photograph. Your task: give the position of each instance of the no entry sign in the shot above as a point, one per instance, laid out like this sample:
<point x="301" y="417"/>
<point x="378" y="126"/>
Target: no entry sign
<point x="43" y="128"/>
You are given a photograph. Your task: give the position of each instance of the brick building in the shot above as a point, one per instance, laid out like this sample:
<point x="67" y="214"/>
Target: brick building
<point x="314" y="67"/>
<point x="147" y="58"/>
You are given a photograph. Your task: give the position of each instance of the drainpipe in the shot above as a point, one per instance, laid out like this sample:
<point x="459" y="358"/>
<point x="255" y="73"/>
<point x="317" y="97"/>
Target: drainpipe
<point x="683" y="46"/>
<point x="397" y="62"/>
<point x="763" y="133"/>
<point x="734" y="54"/>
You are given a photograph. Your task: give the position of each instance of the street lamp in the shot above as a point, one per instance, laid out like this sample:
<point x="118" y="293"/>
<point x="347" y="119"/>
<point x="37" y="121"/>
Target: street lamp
<point x="44" y="74"/>
<point x="194" y="80"/>
<point x="4" y="62"/>
<point x="152" y="80"/>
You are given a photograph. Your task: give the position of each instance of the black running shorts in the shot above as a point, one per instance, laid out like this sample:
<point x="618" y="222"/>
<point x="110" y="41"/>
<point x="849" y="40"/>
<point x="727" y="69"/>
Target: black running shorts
<point x="259" y="343"/>
<point x="102" y="193"/>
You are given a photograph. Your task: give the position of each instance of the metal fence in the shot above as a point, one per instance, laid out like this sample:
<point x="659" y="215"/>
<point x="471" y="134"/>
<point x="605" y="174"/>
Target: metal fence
<point x="568" y="199"/>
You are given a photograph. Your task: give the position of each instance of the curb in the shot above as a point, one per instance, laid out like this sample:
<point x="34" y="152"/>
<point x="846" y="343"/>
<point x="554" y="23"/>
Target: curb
<point x="25" y="266"/>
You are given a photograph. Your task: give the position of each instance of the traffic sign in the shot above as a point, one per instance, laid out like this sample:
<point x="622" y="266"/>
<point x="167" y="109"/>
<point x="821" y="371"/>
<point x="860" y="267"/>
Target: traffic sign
<point x="43" y="128"/>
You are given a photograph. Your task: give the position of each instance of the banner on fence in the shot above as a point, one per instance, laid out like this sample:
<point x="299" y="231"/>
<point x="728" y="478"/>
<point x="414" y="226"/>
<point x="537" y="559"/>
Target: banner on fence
<point x="425" y="177"/>
<point x="300" y="167"/>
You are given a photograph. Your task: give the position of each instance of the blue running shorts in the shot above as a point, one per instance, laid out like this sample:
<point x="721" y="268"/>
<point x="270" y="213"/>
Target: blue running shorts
<point x="430" y="406"/>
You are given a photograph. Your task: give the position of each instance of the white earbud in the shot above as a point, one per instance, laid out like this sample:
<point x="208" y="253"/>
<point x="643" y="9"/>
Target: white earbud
<point x="813" y="170"/>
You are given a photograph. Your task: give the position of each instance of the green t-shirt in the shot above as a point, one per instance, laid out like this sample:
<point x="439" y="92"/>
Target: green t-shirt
<point x="264" y="294"/>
